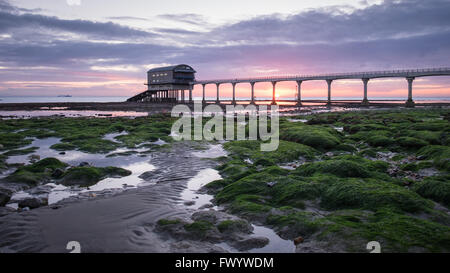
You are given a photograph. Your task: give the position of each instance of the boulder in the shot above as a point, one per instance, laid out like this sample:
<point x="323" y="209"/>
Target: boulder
<point x="251" y="243"/>
<point x="5" y="196"/>
<point x="57" y="173"/>
<point x="206" y="206"/>
<point x="84" y="164"/>
<point x="235" y="226"/>
<point x="88" y="176"/>
<point x="33" y="203"/>
<point x="210" y="216"/>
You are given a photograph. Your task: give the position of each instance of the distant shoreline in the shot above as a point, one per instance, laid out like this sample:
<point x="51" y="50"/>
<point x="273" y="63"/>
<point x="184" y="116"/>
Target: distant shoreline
<point x="155" y="108"/>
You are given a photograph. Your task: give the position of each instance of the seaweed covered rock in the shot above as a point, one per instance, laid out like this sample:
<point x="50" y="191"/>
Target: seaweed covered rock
<point x="411" y="142"/>
<point x="341" y="168"/>
<point x="51" y="168"/>
<point x="319" y="137"/>
<point x="371" y="194"/>
<point x="63" y="147"/>
<point x="88" y="176"/>
<point x="36" y="173"/>
<point x="379" y="141"/>
<point x="254" y="195"/>
<point x="21" y="151"/>
<point x="323" y="119"/>
<point x="235" y="169"/>
<point x="439" y="154"/>
<point x="10" y="140"/>
<point x="352" y="129"/>
<point x="5" y="196"/>
<point x="231" y="226"/>
<point x="436" y="188"/>
<point x="49" y="163"/>
<point x="295" y="223"/>
<point x="251" y="149"/>
<point x="398" y="232"/>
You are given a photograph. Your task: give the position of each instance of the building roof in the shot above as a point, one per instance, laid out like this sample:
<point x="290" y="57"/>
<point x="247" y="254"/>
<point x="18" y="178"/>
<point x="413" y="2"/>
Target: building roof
<point x="180" y="68"/>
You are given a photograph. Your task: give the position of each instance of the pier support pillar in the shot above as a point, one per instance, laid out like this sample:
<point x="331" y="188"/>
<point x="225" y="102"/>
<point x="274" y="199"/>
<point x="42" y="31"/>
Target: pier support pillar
<point x="274" y="102"/>
<point x="203" y="93"/>
<point x="234" y="93"/>
<point x="252" y="95"/>
<point x="329" y="92"/>
<point x="217" y="99"/>
<point x="299" y="93"/>
<point x="365" y="101"/>
<point x="410" y="103"/>
<point x="190" y="93"/>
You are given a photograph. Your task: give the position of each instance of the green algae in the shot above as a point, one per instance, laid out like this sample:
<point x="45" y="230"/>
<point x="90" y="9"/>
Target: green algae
<point x="199" y="227"/>
<point x="440" y="155"/>
<point x="436" y="188"/>
<point x="88" y="176"/>
<point x="85" y="134"/>
<point x="167" y="222"/>
<point x="360" y="201"/>
<point x="319" y="137"/>
<point x="233" y="226"/>
<point x="43" y="171"/>
<point x="21" y="151"/>
<point x="36" y="173"/>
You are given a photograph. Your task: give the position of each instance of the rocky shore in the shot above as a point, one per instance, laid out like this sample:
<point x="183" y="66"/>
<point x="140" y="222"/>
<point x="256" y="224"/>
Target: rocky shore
<point x="337" y="181"/>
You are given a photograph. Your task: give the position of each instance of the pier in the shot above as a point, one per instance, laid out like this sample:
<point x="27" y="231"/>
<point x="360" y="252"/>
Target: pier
<point x="185" y="95"/>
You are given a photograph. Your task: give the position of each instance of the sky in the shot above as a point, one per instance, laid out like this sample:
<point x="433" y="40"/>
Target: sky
<point x="105" y="47"/>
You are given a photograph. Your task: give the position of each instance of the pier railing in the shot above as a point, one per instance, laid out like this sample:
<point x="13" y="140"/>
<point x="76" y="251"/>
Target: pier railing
<point x="342" y="75"/>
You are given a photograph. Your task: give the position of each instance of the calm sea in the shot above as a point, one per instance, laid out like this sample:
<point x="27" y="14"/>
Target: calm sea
<point x="61" y="99"/>
<point x="120" y="99"/>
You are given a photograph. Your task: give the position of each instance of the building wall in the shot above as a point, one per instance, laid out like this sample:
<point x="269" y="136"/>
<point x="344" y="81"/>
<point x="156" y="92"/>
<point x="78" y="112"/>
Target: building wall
<point x="170" y="80"/>
<point x="160" y="77"/>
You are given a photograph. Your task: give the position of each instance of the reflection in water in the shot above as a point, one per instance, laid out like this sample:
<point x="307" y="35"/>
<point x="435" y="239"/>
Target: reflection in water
<point x="197" y="182"/>
<point x="214" y="151"/>
<point x="70" y="113"/>
<point x="112" y="136"/>
<point x="59" y="192"/>
<point x="132" y="180"/>
<point x="276" y="243"/>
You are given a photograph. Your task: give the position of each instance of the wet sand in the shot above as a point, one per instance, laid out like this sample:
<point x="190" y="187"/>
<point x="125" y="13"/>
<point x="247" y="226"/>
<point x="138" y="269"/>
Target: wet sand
<point x="154" y="108"/>
<point x="122" y="222"/>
